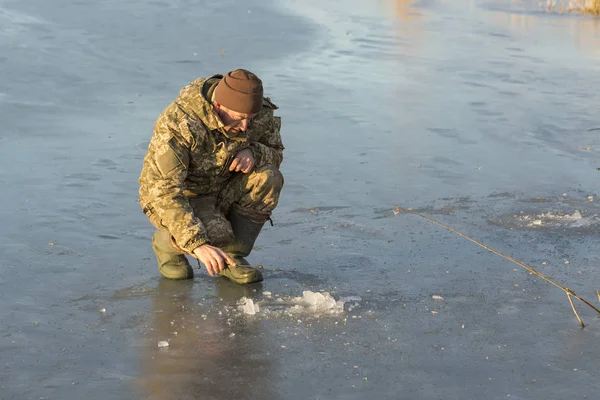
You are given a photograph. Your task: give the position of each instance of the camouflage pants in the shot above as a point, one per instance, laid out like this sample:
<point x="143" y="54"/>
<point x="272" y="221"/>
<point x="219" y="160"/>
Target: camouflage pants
<point x="255" y="194"/>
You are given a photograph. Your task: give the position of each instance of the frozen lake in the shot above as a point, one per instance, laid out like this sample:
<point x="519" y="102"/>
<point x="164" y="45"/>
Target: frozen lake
<point x="480" y="114"/>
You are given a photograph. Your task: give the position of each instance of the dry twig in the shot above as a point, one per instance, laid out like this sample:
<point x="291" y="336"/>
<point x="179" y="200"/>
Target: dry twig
<point x="568" y="291"/>
<point x="575" y="311"/>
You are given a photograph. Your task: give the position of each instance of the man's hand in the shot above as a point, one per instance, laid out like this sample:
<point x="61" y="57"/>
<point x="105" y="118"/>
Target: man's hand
<point x="243" y="161"/>
<point x="214" y="259"/>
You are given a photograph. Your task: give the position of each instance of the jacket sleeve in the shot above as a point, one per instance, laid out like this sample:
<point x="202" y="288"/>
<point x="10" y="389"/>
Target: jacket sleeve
<point x="268" y="149"/>
<point x="166" y="169"/>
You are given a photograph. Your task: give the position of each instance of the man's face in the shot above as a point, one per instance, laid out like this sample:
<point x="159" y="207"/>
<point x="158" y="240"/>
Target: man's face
<point x="234" y="121"/>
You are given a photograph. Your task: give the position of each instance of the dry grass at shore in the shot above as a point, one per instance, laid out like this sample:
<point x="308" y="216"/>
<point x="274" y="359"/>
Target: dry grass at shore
<point x="580" y="6"/>
<point x="592" y="7"/>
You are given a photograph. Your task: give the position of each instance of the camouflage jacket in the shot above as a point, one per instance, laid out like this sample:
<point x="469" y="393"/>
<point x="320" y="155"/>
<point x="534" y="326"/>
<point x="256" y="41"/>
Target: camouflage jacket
<point x="190" y="154"/>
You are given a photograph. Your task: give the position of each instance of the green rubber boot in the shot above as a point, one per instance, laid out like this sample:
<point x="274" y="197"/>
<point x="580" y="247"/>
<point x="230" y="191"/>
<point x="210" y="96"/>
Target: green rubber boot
<point x="245" y="231"/>
<point x="171" y="263"/>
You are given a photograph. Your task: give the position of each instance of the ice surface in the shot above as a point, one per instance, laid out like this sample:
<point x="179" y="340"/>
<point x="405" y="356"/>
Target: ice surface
<point x="498" y="85"/>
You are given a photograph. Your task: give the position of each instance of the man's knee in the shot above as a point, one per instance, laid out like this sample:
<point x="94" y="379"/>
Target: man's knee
<point x="270" y="177"/>
<point x="258" y="190"/>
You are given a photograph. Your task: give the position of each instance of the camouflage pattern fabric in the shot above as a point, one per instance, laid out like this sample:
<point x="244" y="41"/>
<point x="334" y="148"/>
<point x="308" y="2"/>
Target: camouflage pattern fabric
<point x="186" y="187"/>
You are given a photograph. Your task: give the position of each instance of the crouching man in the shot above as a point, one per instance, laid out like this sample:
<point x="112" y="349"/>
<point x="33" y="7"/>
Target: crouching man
<point x="211" y="178"/>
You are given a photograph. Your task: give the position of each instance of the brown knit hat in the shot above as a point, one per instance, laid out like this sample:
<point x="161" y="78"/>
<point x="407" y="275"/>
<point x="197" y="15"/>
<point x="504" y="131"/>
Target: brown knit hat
<point x="240" y="91"/>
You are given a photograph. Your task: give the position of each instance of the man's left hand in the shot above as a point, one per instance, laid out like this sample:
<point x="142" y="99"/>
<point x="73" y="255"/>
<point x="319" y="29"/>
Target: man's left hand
<point x="243" y="161"/>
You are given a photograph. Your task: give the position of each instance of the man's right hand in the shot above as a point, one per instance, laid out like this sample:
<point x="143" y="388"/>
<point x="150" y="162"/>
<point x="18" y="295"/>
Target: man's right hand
<point x="214" y="259"/>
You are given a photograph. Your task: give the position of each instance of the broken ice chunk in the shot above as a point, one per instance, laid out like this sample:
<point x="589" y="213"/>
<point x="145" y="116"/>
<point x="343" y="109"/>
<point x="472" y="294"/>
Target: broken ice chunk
<point x="163" y="343"/>
<point x="247" y="306"/>
<point x="321" y="301"/>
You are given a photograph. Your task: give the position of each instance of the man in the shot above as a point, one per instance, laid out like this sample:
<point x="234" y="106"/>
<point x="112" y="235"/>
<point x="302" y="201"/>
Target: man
<point x="211" y="179"/>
